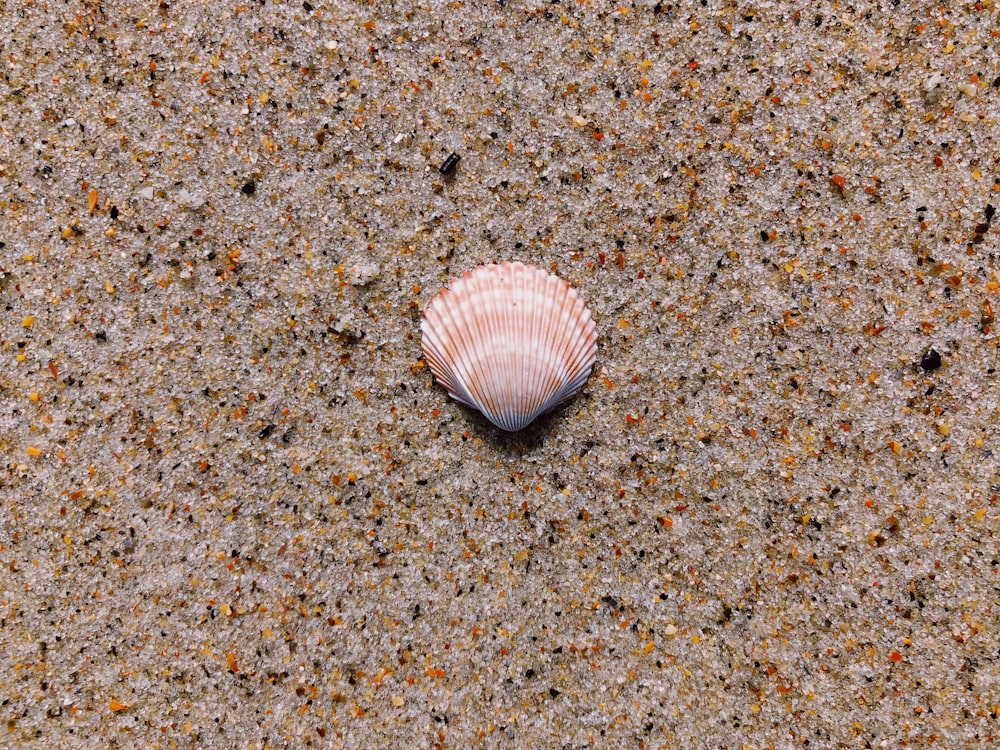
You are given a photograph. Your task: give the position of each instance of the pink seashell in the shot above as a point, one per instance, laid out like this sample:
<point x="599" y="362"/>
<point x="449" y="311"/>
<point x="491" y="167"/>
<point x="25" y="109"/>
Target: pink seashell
<point x="510" y="340"/>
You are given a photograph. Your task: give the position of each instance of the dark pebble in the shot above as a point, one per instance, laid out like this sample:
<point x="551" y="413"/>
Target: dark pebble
<point x="930" y="361"/>
<point x="448" y="165"/>
<point x="249" y="188"/>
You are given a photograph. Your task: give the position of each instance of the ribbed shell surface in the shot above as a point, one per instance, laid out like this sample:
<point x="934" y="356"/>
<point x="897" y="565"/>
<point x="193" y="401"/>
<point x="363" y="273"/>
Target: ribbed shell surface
<point x="510" y="340"/>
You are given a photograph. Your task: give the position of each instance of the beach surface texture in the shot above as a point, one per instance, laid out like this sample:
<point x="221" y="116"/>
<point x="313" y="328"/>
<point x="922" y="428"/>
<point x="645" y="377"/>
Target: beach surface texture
<point x="236" y="511"/>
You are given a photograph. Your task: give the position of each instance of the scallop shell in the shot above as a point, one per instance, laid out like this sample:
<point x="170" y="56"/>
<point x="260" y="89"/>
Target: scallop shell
<point x="510" y="340"/>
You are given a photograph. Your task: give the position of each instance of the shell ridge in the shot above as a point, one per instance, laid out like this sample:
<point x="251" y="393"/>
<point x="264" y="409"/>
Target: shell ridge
<point x="554" y="375"/>
<point x="545" y="325"/>
<point x="489" y="361"/>
<point x="445" y="376"/>
<point x="513" y="320"/>
<point x="548" y="374"/>
<point x="487" y="368"/>
<point x="538" y="319"/>
<point x="521" y="322"/>
<point x="579" y="351"/>
<point x="543" y="321"/>
<point x="573" y="333"/>
<point x="477" y="374"/>
<point x="431" y="343"/>
<point x="507" y="322"/>
<point x="443" y="341"/>
<point x="452" y="342"/>
<point x="575" y="354"/>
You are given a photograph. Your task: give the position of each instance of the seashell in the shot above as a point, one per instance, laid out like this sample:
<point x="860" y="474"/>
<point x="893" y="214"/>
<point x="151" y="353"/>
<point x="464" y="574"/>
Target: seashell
<point x="510" y="340"/>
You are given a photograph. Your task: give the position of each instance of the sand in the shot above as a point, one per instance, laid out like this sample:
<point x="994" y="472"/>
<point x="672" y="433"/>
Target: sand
<point x="237" y="512"/>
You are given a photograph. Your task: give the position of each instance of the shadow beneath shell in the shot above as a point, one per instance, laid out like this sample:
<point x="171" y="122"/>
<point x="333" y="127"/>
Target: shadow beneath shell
<point x="523" y="441"/>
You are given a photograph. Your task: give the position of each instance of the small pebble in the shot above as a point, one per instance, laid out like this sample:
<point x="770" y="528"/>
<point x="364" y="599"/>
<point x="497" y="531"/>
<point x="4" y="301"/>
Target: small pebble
<point x="448" y="165"/>
<point x="930" y="361"/>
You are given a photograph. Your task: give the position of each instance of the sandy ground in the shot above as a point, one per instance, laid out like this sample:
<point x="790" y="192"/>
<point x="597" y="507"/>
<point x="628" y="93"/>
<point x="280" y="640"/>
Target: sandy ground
<point x="238" y="513"/>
